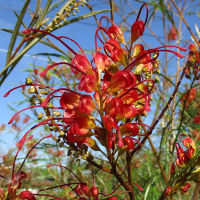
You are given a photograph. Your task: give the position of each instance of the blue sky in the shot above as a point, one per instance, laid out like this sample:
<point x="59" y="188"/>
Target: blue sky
<point x="81" y="32"/>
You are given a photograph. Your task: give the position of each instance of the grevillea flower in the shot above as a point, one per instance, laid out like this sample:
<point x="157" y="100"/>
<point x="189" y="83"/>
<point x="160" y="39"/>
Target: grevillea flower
<point x="115" y="32"/>
<point x="137" y="50"/>
<point x="109" y="123"/>
<point x="82" y="188"/>
<point x="94" y="191"/>
<point x="117" y="54"/>
<point x="113" y="106"/>
<point x="191" y="146"/>
<point x="122" y="80"/>
<point x="109" y="95"/>
<point x="86" y="104"/>
<point x="129" y="97"/>
<point x="82" y="63"/>
<point x="192" y="47"/>
<point x="189" y="142"/>
<point x="193" y="62"/>
<point x="69" y="100"/>
<point x="81" y="121"/>
<point x="129" y="143"/>
<point x="112" y="198"/>
<point x="111" y="44"/>
<point x="188" y="97"/>
<point x="101" y="61"/>
<point x="181" y="159"/>
<point x="88" y="83"/>
<point x="26" y="195"/>
<point x="138" y="27"/>
<point x="172" y="169"/>
<point x="129" y="111"/>
<point x="18" y="177"/>
<point x="137" y="30"/>
<point x="172" y="35"/>
<point x="184" y="156"/>
<point x="185" y="188"/>
<point x="168" y="191"/>
<point x="130" y="129"/>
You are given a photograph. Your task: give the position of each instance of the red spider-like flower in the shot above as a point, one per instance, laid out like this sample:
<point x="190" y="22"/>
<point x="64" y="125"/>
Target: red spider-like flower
<point x="18" y="177"/>
<point x="26" y="195"/>
<point x="168" y="191"/>
<point x="185" y="188"/>
<point x="109" y="94"/>
<point x="184" y="156"/>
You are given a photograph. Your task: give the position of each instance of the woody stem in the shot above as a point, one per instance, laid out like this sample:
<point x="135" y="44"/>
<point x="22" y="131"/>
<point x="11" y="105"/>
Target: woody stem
<point x="130" y="181"/>
<point x="126" y="186"/>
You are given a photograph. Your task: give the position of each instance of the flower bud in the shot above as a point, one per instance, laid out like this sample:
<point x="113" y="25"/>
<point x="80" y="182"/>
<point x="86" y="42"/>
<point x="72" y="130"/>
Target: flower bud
<point x="168" y="191"/>
<point x="185" y="188"/>
<point x="94" y="191"/>
<point x="29" y="81"/>
<point x="26" y="195"/>
<point x="189" y="143"/>
<point x="172" y="170"/>
<point x="138" y="49"/>
<point x="129" y="143"/>
<point x="172" y="35"/>
<point x="137" y="30"/>
<point x="115" y="32"/>
<point x="182" y="158"/>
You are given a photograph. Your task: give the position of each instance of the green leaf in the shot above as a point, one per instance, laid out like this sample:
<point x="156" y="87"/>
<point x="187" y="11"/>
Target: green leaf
<point x="43" y="15"/>
<point x="21" y="21"/>
<point x="55" y="55"/>
<point x="37" y="9"/>
<point x="56" y="4"/>
<point x="16" y="29"/>
<point x="147" y="190"/>
<point x="165" y="77"/>
<point x="16" y="59"/>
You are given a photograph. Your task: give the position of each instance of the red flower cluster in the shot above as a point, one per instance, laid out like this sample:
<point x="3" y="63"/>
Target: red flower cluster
<point x="109" y="96"/>
<point x="17" y="178"/>
<point x="82" y="189"/>
<point x="184" y="156"/>
<point x="113" y="90"/>
<point x="188" y="97"/>
<point x="186" y="187"/>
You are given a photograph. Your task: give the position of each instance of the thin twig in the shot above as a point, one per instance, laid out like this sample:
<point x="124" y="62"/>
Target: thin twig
<point x="184" y="20"/>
